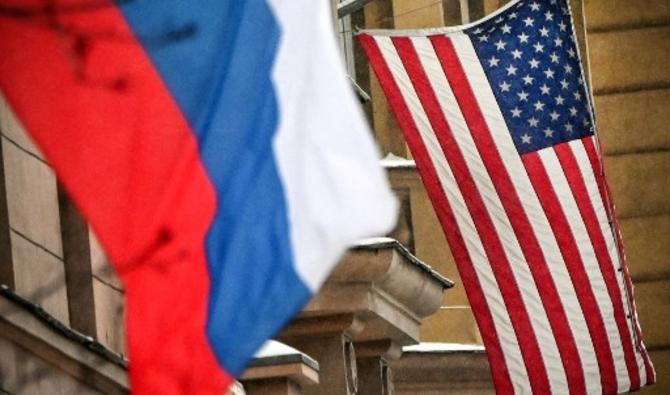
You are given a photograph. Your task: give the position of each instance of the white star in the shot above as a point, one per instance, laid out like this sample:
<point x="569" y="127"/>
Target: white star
<point x="549" y="73"/>
<point x="533" y="122"/>
<point x="534" y="63"/>
<point x="554" y="115"/>
<point x="558" y="42"/>
<point x="523" y="37"/>
<point x="565" y="84"/>
<point x="578" y="96"/>
<point x="548" y="133"/>
<point x="568" y="69"/>
<point x="529" y="21"/>
<point x="517" y="54"/>
<point x="585" y="122"/>
<point x="539" y="106"/>
<point x="538" y="47"/>
<point x="511" y="70"/>
<point x="525" y="139"/>
<point x="573" y="111"/>
<point x="554" y="57"/>
<point x="504" y="87"/>
<point x="499" y="20"/>
<point x="506" y="29"/>
<point x="516" y="112"/>
<point x="491" y="30"/>
<point x="545" y="89"/>
<point x="493" y="62"/>
<point x="478" y="31"/>
<point x="535" y="7"/>
<point x="512" y="15"/>
<point x="562" y="26"/>
<point x="500" y="45"/>
<point x="572" y="52"/>
<point x="523" y="96"/>
<point x="528" y="80"/>
<point x="569" y="128"/>
<point x="559" y="100"/>
<point x="483" y="38"/>
<point x="544" y="32"/>
<point x="549" y="16"/>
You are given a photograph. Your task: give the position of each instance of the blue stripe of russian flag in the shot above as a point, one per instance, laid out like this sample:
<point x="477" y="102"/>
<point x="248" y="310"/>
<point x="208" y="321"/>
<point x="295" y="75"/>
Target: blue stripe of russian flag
<point x="219" y="73"/>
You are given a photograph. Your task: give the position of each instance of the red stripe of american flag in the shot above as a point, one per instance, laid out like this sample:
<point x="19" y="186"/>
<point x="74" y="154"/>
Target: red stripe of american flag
<point x="514" y="209"/>
<point x="599" y="171"/>
<point x="576" y="181"/>
<point x="499" y="369"/>
<point x="575" y="220"/>
<point x="566" y="240"/>
<point x="482" y="218"/>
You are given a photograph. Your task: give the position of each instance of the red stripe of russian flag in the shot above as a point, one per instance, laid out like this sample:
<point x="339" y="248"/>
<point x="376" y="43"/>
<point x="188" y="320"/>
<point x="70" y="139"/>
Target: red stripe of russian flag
<point x="100" y="93"/>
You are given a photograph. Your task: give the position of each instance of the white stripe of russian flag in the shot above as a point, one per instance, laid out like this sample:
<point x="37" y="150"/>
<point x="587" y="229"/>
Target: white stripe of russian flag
<point x="336" y="190"/>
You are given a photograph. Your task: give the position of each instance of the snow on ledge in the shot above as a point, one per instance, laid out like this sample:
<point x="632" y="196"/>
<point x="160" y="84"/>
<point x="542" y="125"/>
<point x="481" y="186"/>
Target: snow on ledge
<point x="273" y="348"/>
<point x="443" y="348"/>
<point x="396" y="162"/>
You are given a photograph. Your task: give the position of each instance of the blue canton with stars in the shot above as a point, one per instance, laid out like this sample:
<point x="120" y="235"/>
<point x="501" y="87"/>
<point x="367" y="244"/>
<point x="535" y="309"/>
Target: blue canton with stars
<point x="530" y="57"/>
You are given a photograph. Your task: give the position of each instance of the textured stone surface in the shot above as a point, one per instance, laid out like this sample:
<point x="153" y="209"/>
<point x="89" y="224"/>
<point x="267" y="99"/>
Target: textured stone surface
<point x="23" y="373"/>
<point x="640" y="183"/>
<point x="100" y="264"/>
<point x="12" y="129"/>
<point x="439" y="372"/>
<point x="32" y="198"/>
<point x="609" y="14"/>
<point x="416" y="14"/>
<point x="652" y="299"/>
<point x="456" y="323"/>
<point x="453" y="12"/>
<point x="630" y="59"/>
<point x="647" y="246"/>
<point x="634" y="121"/>
<point x="40" y="277"/>
<point x="109" y="312"/>
<point x="661" y="360"/>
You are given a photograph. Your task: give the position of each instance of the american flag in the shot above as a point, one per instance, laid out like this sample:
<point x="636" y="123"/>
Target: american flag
<point x="498" y="117"/>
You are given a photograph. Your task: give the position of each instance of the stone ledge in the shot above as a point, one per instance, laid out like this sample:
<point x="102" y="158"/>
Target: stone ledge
<point x="432" y="368"/>
<point x="386" y="289"/>
<point x="83" y="358"/>
<point x="277" y="361"/>
<point x="386" y="242"/>
<point x="274" y="353"/>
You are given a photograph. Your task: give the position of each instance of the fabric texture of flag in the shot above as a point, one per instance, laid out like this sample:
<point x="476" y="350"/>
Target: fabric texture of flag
<point x="498" y="117"/>
<point x="217" y="150"/>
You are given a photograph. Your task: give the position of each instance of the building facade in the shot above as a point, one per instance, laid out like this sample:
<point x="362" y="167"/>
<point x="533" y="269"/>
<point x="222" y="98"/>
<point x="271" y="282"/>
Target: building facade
<point x="61" y="306"/>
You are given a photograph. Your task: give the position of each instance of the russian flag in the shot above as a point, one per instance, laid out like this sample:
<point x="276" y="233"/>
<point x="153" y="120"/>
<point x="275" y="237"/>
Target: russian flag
<point x="218" y="152"/>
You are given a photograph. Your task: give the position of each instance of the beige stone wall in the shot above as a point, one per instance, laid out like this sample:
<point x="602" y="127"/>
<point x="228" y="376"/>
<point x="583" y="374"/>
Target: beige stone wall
<point x="629" y="48"/>
<point x="33" y="224"/>
<point x="50" y="257"/>
<point x="23" y="373"/>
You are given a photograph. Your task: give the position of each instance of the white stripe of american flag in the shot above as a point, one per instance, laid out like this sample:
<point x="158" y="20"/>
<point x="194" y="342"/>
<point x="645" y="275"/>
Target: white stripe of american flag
<point x="569" y="206"/>
<point x="509" y="343"/>
<point x="486" y="188"/>
<point x="596" y="199"/>
<point x="534" y="210"/>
